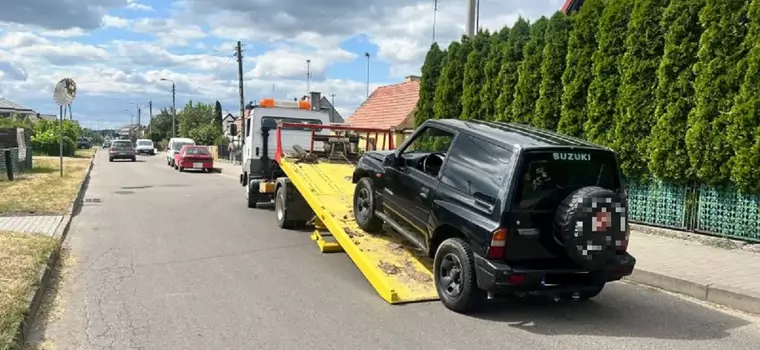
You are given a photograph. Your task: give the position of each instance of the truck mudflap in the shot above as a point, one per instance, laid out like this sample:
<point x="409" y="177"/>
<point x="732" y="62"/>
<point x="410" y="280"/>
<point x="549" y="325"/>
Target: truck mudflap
<point x="398" y="273"/>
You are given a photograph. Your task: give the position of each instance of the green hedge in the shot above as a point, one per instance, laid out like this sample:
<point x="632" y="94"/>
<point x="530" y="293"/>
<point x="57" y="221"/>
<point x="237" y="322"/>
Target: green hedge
<point x="670" y="85"/>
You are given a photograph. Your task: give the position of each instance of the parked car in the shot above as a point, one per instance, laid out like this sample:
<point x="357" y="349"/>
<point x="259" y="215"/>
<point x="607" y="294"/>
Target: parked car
<point x="502" y="209"/>
<point x="84" y="143"/>
<point x="194" y="157"/>
<point x="174" y="146"/>
<point x="145" y="146"/>
<point x="121" y="149"/>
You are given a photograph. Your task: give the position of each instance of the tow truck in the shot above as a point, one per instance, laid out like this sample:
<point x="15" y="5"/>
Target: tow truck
<point x="297" y="162"/>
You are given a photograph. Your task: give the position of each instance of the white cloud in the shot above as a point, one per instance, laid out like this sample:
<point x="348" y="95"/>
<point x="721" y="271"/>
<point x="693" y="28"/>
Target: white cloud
<point x="37" y="51"/>
<point x="136" y="6"/>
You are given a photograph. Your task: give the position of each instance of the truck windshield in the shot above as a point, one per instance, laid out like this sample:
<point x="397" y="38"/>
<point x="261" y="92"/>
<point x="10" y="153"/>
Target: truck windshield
<point x="549" y="177"/>
<point x="294" y="120"/>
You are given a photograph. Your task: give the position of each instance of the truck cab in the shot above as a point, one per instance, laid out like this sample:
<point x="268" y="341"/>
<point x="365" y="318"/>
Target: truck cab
<point x="258" y="165"/>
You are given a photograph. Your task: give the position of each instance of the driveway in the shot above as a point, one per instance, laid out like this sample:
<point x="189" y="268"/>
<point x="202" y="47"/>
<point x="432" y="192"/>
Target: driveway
<point x="169" y="260"/>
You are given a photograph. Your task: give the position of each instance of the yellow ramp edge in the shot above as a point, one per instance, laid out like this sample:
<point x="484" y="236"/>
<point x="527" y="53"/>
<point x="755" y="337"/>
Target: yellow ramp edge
<point x="396" y="271"/>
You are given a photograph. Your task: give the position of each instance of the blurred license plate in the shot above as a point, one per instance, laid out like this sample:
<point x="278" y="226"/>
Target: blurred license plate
<point x="122" y="153"/>
<point x="198" y="165"/>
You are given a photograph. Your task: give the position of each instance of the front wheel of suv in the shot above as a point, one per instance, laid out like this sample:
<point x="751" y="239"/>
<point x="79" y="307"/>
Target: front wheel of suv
<point x="454" y="275"/>
<point x="365" y="206"/>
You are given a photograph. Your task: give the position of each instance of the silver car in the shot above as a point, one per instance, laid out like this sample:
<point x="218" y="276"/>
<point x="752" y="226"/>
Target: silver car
<point x="121" y="149"/>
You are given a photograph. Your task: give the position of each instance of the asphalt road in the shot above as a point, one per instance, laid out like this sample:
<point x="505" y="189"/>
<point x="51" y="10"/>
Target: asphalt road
<point x="171" y="260"/>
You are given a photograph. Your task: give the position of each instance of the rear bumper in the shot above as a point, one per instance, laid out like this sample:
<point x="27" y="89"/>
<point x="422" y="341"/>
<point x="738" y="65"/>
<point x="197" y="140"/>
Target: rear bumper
<point x="190" y="164"/>
<point x="121" y="156"/>
<point x="145" y="150"/>
<point x="499" y="277"/>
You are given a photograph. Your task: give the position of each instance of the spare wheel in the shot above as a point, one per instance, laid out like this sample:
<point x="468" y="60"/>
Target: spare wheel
<point x="591" y="223"/>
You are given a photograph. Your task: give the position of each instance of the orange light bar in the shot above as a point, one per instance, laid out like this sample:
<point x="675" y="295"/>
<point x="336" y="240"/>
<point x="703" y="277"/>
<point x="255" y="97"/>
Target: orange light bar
<point x="272" y="103"/>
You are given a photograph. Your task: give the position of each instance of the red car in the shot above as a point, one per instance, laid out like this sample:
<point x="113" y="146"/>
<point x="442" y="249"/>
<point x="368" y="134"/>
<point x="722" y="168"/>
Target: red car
<point x="194" y="157"/>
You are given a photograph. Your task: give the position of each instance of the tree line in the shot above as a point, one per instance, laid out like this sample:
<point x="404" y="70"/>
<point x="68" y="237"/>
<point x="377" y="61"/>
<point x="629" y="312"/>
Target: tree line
<point x="672" y="86"/>
<point x="199" y="121"/>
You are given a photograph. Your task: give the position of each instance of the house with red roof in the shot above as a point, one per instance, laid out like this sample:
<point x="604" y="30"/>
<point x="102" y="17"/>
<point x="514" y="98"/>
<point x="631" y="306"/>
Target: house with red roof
<point x="390" y="107"/>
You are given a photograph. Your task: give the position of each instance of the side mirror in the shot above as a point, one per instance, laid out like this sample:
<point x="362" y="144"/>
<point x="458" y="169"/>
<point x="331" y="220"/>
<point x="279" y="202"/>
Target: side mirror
<point x="391" y="160"/>
<point x="233" y="129"/>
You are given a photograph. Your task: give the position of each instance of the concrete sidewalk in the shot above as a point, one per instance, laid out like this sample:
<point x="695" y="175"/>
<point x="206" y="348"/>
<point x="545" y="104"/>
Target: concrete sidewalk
<point x="225" y="167"/>
<point x="722" y="276"/>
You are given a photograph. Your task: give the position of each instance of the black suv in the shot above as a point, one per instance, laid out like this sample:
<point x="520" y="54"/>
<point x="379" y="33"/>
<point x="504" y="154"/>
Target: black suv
<point x="501" y="208"/>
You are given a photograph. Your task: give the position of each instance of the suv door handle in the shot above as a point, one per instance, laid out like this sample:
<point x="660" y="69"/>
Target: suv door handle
<point x="424" y="192"/>
<point x="482" y="204"/>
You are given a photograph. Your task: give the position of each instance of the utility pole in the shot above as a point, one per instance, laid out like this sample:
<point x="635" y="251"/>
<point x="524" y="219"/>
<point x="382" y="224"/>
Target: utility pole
<point x="139" y="126"/>
<point x="332" y="110"/>
<point x="471" y="8"/>
<point x="150" y="114"/>
<point x="367" y="54"/>
<point x="435" y="17"/>
<point x="239" y="55"/>
<point x="308" y="77"/>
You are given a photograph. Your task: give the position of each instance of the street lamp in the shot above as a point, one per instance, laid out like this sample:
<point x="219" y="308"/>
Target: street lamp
<point x="174" y="107"/>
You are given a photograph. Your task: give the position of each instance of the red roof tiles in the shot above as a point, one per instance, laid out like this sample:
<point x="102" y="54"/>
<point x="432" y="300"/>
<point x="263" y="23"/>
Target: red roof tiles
<point x="388" y="106"/>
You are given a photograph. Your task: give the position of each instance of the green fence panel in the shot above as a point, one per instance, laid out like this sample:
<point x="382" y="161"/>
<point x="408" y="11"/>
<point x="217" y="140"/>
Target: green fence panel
<point x="729" y="213"/>
<point x="657" y="203"/>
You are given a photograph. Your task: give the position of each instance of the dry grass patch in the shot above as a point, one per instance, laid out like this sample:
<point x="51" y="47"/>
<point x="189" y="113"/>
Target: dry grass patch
<point x="43" y="191"/>
<point x="21" y="257"/>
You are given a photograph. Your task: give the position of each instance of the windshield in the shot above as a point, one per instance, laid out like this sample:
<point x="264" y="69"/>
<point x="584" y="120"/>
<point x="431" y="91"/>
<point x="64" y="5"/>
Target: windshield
<point x="194" y="151"/>
<point x="548" y="177"/>
<point x="178" y="146"/>
<point x="144" y="143"/>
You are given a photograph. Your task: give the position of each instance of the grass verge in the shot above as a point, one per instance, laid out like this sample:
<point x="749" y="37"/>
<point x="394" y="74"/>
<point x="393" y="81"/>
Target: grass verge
<point x="43" y="191"/>
<point x="21" y="257"/>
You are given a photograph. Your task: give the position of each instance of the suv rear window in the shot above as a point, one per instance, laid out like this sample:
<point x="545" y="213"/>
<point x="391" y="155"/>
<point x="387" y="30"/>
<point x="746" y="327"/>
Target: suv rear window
<point x="550" y="176"/>
<point x="122" y="144"/>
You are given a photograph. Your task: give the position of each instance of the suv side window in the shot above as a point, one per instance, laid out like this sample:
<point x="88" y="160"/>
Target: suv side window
<point x="430" y="140"/>
<point x="477" y="168"/>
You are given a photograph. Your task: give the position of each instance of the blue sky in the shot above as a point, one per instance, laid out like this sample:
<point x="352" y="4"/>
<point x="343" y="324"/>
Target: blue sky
<point x="118" y="50"/>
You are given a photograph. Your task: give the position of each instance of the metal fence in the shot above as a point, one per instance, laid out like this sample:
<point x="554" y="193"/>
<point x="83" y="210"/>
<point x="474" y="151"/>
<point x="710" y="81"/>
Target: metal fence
<point x="723" y="211"/>
<point x="20" y="161"/>
<point x="223" y="152"/>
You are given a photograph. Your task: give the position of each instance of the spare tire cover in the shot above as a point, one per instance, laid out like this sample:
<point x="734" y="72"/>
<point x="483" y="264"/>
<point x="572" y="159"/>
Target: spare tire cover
<point x="591" y="223"/>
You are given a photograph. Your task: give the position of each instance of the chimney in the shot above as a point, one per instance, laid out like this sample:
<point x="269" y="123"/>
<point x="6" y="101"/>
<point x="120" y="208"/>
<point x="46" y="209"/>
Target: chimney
<point x="411" y="78"/>
<point x="316" y="101"/>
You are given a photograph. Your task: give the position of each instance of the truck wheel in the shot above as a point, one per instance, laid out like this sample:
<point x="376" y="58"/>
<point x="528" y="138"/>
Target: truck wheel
<point x="454" y="275"/>
<point x="284" y="217"/>
<point x="250" y="196"/>
<point x="365" y="206"/>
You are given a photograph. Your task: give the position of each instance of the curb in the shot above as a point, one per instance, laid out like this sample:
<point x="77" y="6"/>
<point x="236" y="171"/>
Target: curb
<point x="736" y="298"/>
<point x="43" y="277"/>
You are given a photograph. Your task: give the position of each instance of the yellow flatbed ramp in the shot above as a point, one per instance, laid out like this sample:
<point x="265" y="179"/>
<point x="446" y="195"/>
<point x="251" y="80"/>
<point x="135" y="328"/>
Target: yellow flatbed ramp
<point x="399" y="274"/>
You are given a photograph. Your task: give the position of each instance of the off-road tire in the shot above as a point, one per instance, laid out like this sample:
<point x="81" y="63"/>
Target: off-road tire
<point x="364" y="192"/>
<point x="573" y="208"/>
<point x="470" y="298"/>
